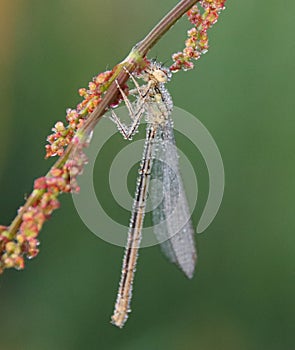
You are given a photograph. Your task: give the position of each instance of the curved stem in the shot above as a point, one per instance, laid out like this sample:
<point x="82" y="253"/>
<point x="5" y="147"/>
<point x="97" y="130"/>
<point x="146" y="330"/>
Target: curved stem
<point x="131" y="62"/>
<point x="164" y="25"/>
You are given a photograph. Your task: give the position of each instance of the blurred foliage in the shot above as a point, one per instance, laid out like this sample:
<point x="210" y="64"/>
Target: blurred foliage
<point x="242" y="296"/>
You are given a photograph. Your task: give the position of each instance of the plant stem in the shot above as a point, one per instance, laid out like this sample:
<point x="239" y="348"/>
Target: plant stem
<point x="131" y="62"/>
<point x="164" y="25"/>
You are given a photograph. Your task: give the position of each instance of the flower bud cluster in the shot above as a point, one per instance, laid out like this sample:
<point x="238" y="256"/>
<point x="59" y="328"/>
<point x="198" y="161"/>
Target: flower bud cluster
<point x="202" y="17"/>
<point x="14" y="248"/>
<point x="62" y="135"/>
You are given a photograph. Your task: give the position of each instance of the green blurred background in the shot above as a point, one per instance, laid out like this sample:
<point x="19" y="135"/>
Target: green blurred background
<point x="242" y="295"/>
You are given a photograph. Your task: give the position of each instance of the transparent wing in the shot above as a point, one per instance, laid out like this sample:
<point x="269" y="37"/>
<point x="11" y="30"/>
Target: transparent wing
<point x="171" y="217"/>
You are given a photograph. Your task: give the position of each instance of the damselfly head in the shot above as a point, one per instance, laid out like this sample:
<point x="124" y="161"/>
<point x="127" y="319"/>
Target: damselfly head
<point x="158" y="73"/>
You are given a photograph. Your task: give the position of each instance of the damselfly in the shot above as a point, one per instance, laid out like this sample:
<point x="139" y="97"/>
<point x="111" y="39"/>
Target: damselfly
<point x="171" y="218"/>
